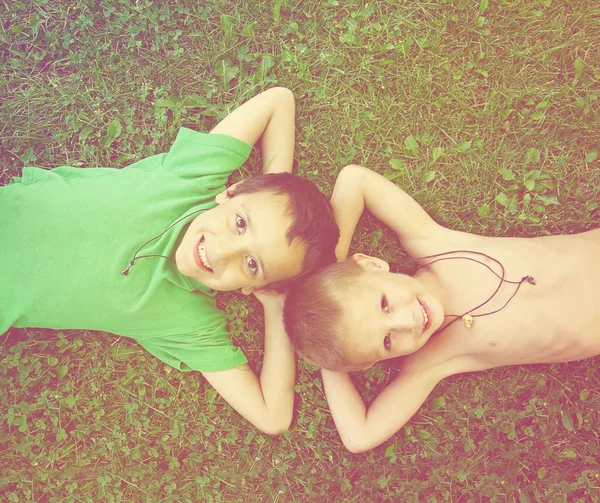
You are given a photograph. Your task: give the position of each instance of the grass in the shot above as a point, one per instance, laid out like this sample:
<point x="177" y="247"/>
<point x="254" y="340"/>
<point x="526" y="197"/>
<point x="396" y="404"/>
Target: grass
<point x="486" y="112"/>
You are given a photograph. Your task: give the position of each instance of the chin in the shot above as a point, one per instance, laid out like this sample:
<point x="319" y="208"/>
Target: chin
<point x="181" y="267"/>
<point x="215" y="285"/>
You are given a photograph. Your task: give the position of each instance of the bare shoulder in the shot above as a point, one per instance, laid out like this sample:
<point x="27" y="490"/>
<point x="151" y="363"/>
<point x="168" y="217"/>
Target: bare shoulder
<point x="439" y="239"/>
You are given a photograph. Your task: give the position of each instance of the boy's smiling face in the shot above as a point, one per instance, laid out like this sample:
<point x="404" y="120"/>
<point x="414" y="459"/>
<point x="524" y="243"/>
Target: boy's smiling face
<point x="241" y="243"/>
<point x="387" y="315"/>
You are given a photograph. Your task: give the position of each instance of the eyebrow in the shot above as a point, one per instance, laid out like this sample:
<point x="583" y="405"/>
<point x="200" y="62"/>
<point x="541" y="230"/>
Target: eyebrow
<point x="260" y="262"/>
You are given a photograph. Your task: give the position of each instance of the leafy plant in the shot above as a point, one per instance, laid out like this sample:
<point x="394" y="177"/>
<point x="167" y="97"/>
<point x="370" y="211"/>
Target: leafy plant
<point x="485" y="112"/>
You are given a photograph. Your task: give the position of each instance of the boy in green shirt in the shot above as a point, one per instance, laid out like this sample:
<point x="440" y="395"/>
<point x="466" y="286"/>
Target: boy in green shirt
<point x="140" y="251"/>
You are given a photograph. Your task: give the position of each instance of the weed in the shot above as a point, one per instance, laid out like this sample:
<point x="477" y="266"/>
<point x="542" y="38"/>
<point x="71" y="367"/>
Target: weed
<point x="486" y="112"/>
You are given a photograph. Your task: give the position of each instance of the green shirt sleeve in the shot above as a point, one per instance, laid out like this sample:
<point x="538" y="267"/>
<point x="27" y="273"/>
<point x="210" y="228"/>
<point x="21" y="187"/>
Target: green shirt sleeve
<point x="207" y="158"/>
<point x="209" y="350"/>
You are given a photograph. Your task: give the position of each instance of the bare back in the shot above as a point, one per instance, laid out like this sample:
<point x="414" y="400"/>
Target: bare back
<point x="555" y="320"/>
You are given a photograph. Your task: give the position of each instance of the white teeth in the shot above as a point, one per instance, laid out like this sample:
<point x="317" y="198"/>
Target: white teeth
<point x="425" y="317"/>
<point x="202" y="255"/>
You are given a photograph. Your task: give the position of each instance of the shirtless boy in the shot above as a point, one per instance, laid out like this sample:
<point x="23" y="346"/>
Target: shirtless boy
<point x="355" y="313"/>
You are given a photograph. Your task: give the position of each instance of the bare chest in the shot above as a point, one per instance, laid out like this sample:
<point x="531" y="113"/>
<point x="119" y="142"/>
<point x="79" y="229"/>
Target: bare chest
<point x="556" y="319"/>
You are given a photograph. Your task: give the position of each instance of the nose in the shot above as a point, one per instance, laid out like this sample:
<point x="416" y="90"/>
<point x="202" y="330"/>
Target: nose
<point x="226" y="250"/>
<point x="403" y="319"/>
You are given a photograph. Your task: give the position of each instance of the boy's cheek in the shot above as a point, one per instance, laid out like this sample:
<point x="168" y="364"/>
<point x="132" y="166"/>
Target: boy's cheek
<point x="229" y="283"/>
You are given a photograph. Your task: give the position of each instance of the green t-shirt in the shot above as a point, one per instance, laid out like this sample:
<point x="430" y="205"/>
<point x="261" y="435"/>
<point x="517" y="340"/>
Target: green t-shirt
<point x="67" y="233"/>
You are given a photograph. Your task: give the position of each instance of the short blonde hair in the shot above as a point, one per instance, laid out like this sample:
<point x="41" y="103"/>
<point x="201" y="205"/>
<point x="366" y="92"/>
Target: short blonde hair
<point x="314" y="314"/>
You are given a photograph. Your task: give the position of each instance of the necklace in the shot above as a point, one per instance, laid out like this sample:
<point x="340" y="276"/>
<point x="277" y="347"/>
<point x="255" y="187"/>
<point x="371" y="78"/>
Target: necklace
<point x="135" y="255"/>
<point x="468" y="316"/>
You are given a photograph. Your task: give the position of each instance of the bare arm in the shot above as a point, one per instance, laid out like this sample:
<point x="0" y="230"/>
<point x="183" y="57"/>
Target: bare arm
<point x="363" y="428"/>
<point x="358" y="188"/>
<point x="267" y="402"/>
<point x="360" y="427"/>
<point x="270" y="118"/>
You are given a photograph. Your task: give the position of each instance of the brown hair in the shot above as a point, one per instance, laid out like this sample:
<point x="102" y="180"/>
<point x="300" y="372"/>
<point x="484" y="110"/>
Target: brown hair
<point x="311" y="214"/>
<point x="313" y="314"/>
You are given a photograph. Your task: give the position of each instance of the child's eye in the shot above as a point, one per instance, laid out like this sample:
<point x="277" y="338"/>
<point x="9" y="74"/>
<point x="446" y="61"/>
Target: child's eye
<point x="387" y="342"/>
<point x="240" y="223"/>
<point x="384" y="304"/>
<point x="252" y="265"/>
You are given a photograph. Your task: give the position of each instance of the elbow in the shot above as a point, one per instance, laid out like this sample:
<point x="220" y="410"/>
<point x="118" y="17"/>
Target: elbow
<point x="352" y="170"/>
<point x="355" y="445"/>
<point x="275" y="427"/>
<point x="355" y="448"/>
<point x="283" y="94"/>
<point x="351" y="174"/>
<point x="274" y="430"/>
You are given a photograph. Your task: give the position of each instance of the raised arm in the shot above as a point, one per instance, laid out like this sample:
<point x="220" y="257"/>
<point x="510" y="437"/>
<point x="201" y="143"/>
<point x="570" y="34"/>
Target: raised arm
<point x="360" y="427"/>
<point x="358" y="188"/>
<point x="270" y="118"/>
<point x="266" y="402"/>
<point x="363" y="428"/>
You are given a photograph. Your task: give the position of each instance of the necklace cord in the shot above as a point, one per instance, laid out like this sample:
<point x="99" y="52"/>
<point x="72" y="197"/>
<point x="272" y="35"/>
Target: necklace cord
<point x="135" y="257"/>
<point x="528" y="279"/>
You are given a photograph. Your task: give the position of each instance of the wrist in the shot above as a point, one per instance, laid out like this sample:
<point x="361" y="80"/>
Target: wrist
<point x="273" y="306"/>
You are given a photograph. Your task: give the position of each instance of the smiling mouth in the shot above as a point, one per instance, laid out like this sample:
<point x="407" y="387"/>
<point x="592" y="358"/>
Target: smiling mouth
<point x="202" y="255"/>
<point x="425" y="317"/>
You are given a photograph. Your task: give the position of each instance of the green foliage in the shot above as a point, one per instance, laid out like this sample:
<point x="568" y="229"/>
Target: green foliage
<point x="486" y="112"/>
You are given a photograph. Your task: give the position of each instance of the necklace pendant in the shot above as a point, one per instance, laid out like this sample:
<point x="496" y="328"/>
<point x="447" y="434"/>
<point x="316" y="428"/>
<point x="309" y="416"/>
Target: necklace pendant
<point x="467" y="320"/>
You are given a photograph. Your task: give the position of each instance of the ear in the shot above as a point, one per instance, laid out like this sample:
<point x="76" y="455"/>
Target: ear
<point x="226" y="194"/>
<point x="369" y="263"/>
<point x="221" y="196"/>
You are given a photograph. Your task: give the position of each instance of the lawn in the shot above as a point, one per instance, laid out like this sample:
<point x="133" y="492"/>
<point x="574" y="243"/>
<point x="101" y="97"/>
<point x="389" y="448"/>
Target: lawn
<point x="485" y="111"/>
